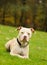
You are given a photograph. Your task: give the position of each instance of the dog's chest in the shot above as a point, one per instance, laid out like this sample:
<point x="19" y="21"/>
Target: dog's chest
<point x="20" y="50"/>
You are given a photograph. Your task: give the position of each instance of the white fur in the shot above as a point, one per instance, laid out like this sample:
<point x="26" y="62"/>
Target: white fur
<point x="15" y="49"/>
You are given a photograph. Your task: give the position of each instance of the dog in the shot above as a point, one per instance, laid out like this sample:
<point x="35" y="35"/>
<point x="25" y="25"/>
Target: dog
<point x="20" y="46"/>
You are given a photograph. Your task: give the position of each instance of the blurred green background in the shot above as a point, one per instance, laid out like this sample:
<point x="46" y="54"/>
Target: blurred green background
<point x="28" y="13"/>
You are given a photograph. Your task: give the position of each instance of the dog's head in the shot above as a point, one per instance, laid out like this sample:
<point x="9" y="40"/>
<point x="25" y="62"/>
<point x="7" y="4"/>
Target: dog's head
<point x="25" y="34"/>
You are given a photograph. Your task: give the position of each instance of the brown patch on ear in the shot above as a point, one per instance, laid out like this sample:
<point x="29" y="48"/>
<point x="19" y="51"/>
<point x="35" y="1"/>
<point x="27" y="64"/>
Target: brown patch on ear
<point x="19" y="27"/>
<point x="32" y="30"/>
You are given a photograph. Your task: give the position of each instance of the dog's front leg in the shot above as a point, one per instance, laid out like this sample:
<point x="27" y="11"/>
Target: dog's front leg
<point x="26" y="52"/>
<point x="13" y="54"/>
<point x="18" y="55"/>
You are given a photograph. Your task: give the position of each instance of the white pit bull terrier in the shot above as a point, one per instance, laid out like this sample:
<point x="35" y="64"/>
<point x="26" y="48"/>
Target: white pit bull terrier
<point x="20" y="46"/>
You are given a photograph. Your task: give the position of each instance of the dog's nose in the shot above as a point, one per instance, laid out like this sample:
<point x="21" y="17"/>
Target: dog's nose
<point x="25" y="37"/>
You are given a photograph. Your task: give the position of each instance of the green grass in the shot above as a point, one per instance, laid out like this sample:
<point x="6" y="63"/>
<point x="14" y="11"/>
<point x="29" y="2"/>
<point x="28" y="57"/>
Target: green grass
<point x="38" y="48"/>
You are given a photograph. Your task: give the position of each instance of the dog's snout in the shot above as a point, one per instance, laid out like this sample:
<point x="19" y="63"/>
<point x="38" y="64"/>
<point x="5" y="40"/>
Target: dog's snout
<point x="25" y="37"/>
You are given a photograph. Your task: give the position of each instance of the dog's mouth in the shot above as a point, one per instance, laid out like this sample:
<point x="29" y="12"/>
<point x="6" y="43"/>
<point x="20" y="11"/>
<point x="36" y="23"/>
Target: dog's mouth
<point x="24" y="41"/>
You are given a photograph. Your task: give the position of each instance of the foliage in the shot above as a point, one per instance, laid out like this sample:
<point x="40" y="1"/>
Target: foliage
<point x="28" y="13"/>
<point x="40" y="16"/>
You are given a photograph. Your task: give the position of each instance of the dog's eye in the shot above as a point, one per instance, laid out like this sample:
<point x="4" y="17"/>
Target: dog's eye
<point x="28" y="33"/>
<point x="22" y="32"/>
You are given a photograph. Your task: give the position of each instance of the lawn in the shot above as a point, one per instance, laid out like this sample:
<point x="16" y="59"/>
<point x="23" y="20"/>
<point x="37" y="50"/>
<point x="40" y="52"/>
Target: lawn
<point x="38" y="48"/>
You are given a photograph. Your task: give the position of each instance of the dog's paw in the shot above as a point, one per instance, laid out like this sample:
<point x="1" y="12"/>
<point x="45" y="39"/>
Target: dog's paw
<point x="25" y="57"/>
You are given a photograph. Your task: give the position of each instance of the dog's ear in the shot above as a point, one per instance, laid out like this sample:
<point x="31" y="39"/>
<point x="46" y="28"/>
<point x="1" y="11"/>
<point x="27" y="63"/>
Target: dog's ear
<point x="20" y="27"/>
<point x="32" y="30"/>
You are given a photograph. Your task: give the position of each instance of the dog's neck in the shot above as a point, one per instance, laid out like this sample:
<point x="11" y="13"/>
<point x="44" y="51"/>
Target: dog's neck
<point x="21" y="44"/>
<point x="18" y="42"/>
